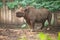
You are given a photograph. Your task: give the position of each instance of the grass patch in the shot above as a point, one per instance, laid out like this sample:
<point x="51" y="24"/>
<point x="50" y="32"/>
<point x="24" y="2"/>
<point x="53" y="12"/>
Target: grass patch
<point x="58" y="38"/>
<point x="43" y="36"/>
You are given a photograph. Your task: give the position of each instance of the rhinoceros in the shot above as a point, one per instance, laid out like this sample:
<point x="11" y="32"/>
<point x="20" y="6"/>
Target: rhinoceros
<point x="33" y="15"/>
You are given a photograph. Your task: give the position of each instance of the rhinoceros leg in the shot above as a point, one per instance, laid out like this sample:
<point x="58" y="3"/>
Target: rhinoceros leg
<point x="32" y="24"/>
<point x="43" y="21"/>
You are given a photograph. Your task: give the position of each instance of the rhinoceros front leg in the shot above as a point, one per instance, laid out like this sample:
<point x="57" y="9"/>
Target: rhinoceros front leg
<point x="32" y="23"/>
<point x="43" y="21"/>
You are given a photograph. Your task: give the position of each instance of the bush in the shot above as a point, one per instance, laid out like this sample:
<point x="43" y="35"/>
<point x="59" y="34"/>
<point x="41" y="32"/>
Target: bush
<point x="52" y="5"/>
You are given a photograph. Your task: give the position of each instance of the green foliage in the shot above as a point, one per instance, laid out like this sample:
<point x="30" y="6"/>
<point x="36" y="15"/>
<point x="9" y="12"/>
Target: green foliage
<point x="46" y="23"/>
<point x="12" y="5"/>
<point x="52" y="5"/>
<point x="18" y="0"/>
<point x="43" y="36"/>
<point x="22" y="3"/>
<point x="58" y="36"/>
<point x="0" y="0"/>
<point x="25" y="2"/>
<point x="1" y="4"/>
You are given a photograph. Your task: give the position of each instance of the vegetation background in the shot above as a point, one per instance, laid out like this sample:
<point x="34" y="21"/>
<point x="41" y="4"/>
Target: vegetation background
<point x="51" y="5"/>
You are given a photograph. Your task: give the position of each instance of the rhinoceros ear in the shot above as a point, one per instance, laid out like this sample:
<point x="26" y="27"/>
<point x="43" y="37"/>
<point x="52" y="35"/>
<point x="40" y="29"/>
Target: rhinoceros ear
<point x="26" y="10"/>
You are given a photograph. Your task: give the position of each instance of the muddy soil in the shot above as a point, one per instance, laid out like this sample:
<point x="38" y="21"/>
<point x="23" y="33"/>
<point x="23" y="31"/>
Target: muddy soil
<point x="27" y="34"/>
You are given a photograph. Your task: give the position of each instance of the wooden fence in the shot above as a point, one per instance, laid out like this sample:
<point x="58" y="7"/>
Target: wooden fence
<point x="9" y="17"/>
<point x="57" y="18"/>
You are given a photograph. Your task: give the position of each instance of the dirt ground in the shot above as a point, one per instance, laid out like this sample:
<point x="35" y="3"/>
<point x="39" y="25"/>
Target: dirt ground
<point x="25" y="34"/>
